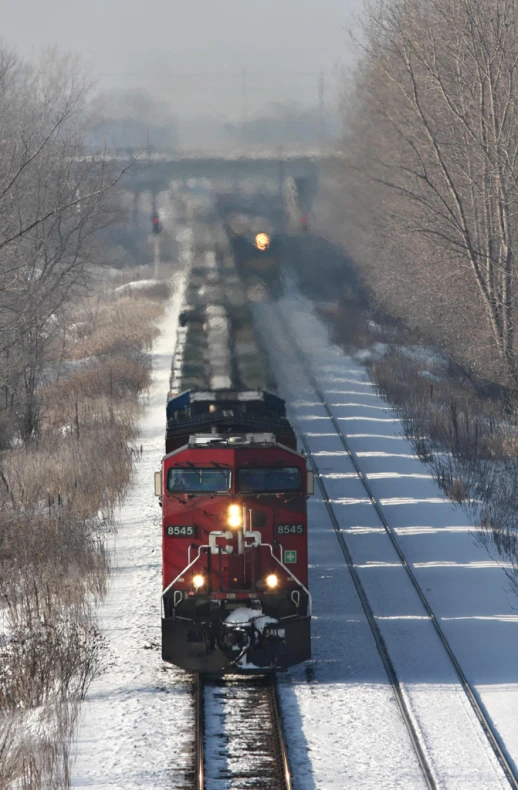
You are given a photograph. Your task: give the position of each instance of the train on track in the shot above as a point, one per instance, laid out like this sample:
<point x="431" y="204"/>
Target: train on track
<point x="233" y="490"/>
<point x="255" y="230"/>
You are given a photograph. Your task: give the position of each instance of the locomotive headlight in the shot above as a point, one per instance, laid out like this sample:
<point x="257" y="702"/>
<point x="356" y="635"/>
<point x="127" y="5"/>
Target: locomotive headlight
<point x="235" y="516"/>
<point x="272" y="581"/>
<point x="262" y="241"/>
<point x="198" y="581"/>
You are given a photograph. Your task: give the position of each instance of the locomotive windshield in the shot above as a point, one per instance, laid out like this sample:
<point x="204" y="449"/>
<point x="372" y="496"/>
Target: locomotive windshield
<point x="273" y="479"/>
<point x="195" y="480"/>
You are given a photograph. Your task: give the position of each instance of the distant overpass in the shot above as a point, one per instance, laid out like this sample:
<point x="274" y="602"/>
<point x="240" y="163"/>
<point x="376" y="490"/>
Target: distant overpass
<point x="154" y="171"/>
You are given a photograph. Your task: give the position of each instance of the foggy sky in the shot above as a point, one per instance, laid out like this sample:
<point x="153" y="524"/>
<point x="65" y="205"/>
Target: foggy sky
<point x="191" y="53"/>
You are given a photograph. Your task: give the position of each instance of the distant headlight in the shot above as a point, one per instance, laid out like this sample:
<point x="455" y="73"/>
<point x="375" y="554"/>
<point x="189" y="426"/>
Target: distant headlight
<point x="262" y="241"/>
<point x="235" y="516"/>
<point x="272" y="581"/>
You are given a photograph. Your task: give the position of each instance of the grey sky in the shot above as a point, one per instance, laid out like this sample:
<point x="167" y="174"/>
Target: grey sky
<point x="163" y="45"/>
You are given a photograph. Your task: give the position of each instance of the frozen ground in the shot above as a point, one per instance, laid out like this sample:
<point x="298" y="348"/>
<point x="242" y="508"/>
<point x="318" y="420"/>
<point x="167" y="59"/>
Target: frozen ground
<point x="467" y="591"/>
<point x="136" y="727"/>
<point x="342" y="723"/>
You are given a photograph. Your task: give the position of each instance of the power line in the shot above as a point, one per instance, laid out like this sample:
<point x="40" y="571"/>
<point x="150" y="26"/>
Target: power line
<point x="228" y="74"/>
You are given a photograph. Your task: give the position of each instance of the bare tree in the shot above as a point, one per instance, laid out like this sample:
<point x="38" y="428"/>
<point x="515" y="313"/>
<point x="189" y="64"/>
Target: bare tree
<point x="53" y="203"/>
<point x="432" y="139"/>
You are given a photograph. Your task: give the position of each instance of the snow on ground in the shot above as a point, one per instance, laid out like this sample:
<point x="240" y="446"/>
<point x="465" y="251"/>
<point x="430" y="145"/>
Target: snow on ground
<point x="135" y="285"/>
<point x="342" y="723"/>
<point x="467" y="591"/>
<point x="137" y="720"/>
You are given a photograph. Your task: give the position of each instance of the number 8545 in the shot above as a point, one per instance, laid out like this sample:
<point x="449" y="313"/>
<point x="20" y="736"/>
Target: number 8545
<point x="289" y="529"/>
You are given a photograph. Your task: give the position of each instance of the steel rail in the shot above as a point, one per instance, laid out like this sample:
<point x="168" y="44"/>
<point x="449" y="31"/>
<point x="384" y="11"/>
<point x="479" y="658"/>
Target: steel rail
<point x="476" y="704"/>
<point x="199" y="724"/>
<point x="408" y="719"/>
<point x="279" y="744"/>
<point x="406" y="714"/>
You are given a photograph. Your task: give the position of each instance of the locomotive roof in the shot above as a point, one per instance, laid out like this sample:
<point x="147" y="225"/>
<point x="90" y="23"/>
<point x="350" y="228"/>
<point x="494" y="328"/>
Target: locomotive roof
<point x="220" y="398"/>
<point x="240" y="440"/>
<point x="197" y="396"/>
<point x="223" y="395"/>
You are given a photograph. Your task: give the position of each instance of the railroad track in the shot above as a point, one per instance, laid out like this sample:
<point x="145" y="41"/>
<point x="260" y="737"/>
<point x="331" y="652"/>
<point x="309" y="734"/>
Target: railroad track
<point x="401" y="698"/>
<point x="239" y="737"/>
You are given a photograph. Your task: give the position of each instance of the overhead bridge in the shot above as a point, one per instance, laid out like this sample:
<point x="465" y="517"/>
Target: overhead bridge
<point x="155" y="171"/>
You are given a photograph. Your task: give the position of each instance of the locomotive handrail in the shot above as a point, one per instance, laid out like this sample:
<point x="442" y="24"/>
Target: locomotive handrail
<point x="204" y="546"/>
<point x="310" y="600"/>
<point x="277" y="560"/>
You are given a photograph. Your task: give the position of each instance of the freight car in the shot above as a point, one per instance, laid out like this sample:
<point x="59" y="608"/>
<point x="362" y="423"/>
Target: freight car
<point x="233" y="490"/>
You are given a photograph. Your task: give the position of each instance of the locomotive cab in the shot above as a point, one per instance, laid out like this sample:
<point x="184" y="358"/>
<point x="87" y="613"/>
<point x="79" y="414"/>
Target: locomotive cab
<point x="235" y="587"/>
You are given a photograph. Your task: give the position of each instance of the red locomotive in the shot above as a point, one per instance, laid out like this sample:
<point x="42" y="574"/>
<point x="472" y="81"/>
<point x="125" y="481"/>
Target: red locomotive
<point x="235" y="564"/>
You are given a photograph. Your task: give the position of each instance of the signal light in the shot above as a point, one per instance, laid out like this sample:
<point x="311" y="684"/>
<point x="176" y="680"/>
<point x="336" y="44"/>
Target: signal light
<point x="198" y="581"/>
<point x="235" y="516"/>
<point x="272" y="581"/>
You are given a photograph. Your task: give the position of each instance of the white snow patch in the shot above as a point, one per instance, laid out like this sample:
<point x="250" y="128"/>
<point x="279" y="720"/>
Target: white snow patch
<point x="368" y="419"/>
<point x="135" y="285"/>
<point x="438" y="500"/>
<point x="351" y="501"/>
<point x="331" y="452"/>
<point x="363" y="530"/>
<point x="477" y="565"/>
<point x="397" y="476"/>
<point x="380" y="454"/>
<point x="372" y="436"/>
<point x="424" y="530"/>
<point x="339" y="475"/>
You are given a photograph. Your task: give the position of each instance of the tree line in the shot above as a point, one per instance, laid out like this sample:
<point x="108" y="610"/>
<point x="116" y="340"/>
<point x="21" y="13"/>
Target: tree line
<point x="53" y="203"/>
<point x="73" y="361"/>
<point x="430" y="183"/>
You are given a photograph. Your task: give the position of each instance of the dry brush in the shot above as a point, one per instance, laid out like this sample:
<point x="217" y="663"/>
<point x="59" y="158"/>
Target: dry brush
<point x="74" y="362"/>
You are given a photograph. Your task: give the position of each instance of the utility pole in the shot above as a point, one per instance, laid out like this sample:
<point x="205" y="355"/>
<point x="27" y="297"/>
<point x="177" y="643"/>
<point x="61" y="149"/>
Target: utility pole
<point x="321" y="111"/>
<point x="244" y="100"/>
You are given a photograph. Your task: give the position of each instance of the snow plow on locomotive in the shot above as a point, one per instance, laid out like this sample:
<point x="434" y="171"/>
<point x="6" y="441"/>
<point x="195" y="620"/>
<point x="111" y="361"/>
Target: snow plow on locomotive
<point x="235" y="566"/>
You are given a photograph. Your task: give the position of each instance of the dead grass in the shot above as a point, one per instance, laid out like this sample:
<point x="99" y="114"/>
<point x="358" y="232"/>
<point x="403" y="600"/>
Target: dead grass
<point x="470" y="442"/>
<point x="84" y="475"/>
<point x="58" y="496"/>
<point x="124" y="327"/>
<point x="114" y="378"/>
<point x="443" y="413"/>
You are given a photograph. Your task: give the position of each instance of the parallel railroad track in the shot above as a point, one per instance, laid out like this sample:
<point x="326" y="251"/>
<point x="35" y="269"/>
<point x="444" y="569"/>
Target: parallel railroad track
<point x="239" y="736"/>
<point x="477" y="706"/>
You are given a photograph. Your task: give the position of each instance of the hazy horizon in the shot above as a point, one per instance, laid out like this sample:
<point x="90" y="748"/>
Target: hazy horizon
<point x="223" y="59"/>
